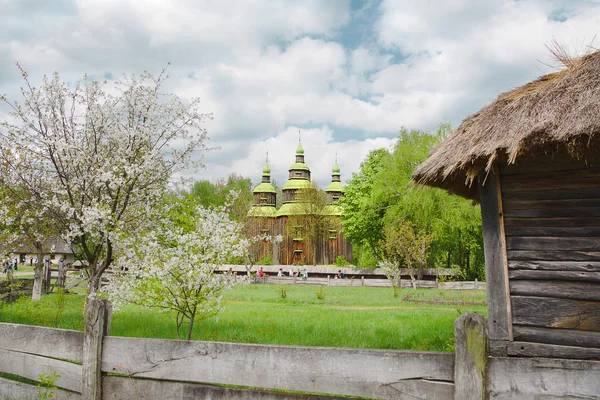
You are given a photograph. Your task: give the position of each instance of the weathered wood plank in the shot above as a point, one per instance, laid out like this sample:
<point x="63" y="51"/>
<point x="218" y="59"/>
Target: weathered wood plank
<point x="552" y="259"/>
<point x="527" y="349"/>
<point x="553" y="181"/>
<point x="581" y="231"/>
<point x="582" y="212"/>
<point x="542" y="177"/>
<point x="557" y="289"/>
<point x="556" y="313"/>
<point x="358" y="372"/>
<point x="550" y="194"/>
<point x="552" y="222"/>
<point x="552" y="243"/>
<point x="566" y="337"/>
<point x="471" y="353"/>
<point x="553" y="275"/>
<point x="116" y="387"/>
<point x="512" y="204"/>
<point x="10" y="390"/>
<point x="542" y="378"/>
<point x="57" y="343"/>
<point x="499" y="320"/>
<point x="31" y="366"/>
<point x="550" y="162"/>
<point x="498" y="348"/>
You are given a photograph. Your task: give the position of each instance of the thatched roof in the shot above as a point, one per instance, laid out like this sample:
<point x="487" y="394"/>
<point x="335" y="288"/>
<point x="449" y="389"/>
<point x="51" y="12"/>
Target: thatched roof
<point x="556" y="112"/>
<point x="52" y="245"/>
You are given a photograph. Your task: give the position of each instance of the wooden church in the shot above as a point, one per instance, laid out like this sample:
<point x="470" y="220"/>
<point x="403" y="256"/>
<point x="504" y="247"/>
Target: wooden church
<point x="310" y="225"/>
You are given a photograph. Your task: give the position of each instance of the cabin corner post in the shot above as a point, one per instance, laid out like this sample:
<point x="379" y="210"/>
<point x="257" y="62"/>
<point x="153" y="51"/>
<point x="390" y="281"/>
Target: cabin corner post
<point x="97" y="325"/>
<point x="496" y="266"/>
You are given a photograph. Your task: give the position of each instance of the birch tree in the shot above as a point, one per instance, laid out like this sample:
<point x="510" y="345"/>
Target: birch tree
<point x="103" y="156"/>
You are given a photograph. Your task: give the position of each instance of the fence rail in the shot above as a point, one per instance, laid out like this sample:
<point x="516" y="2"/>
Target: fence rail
<point x="175" y="369"/>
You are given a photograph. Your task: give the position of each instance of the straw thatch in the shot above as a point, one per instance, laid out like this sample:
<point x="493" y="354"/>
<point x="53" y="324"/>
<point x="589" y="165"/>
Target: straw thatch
<point x="557" y="112"/>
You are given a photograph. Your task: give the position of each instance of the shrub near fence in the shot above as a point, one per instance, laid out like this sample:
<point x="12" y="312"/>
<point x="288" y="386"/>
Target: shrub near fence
<point x="93" y="365"/>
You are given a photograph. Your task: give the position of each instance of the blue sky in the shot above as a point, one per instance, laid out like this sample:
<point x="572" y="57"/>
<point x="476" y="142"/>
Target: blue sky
<point x="349" y="74"/>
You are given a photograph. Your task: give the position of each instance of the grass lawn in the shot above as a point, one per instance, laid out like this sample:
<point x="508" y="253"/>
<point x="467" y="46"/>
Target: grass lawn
<point x="363" y="317"/>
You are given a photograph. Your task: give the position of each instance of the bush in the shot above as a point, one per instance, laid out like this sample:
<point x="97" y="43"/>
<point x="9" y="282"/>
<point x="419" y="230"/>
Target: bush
<point x="267" y="260"/>
<point x="340" y="261"/>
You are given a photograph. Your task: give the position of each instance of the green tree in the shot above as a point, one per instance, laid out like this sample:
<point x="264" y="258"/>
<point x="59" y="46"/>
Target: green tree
<point x="382" y="193"/>
<point x="363" y="213"/>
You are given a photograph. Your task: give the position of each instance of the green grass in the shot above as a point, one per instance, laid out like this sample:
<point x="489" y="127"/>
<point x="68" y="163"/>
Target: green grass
<point x="361" y="317"/>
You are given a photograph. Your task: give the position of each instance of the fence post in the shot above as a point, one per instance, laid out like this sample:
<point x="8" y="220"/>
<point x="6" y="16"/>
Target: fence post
<point x="471" y="354"/>
<point x="97" y="325"/>
<point x="362" y="281"/>
<point x="328" y="280"/>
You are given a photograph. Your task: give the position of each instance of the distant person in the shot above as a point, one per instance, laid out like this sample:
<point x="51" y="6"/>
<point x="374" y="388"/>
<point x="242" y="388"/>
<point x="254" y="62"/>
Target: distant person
<point x="261" y="273"/>
<point x="304" y="274"/>
<point x="280" y="273"/>
<point x="291" y="272"/>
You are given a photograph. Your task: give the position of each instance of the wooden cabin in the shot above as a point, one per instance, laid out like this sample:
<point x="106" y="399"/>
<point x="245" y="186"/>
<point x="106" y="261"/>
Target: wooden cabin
<point x="532" y="160"/>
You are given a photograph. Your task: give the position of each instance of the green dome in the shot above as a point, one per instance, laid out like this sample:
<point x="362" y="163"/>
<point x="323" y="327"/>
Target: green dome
<point x="299" y="150"/>
<point x="266" y="169"/>
<point x="289" y="209"/>
<point x="264" y="188"/>
<point x="332" y="209"/>
<point x="298" y="184"/>
<point x="335" y="187"/>
<point x="262" y="211"/>
<point x="299" y="165"/>
<point x="336" y="169"/>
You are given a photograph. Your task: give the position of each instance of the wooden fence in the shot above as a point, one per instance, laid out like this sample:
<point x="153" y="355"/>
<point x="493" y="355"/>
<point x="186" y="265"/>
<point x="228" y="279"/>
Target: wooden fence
<point x="93" y="365"/>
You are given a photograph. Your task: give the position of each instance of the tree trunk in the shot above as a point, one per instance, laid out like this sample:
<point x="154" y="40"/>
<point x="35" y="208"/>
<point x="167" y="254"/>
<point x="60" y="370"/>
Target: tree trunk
<point x="189" y="334"/>
<point x="38" y="281"/>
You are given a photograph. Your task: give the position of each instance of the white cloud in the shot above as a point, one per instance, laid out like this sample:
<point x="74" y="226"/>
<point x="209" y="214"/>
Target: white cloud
<point x="319" y="150"/>
<point x="263" y="68"/>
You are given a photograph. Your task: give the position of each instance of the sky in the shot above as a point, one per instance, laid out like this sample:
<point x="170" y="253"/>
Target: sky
<point x="347" y="74"/>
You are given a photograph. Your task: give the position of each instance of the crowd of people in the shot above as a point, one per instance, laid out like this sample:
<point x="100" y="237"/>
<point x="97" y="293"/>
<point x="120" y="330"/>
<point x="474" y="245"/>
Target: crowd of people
<point x="10" y="265"/>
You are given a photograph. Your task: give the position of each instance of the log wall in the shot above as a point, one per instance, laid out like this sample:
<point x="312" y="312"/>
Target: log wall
<point x="551" y="217"/>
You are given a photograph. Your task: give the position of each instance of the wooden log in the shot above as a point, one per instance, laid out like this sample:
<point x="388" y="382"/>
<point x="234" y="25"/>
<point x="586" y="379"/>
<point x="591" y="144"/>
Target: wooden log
<point x="551" y="182"/>
<point x="48" y="342"/>
<point x="527" y="349"/>
<point x="556" y="289"/>
<point x="354" y="372"/>
<point x="542" y="378"/>
<point x="543" y="177"/>
<point x="552" y="243"/>
<point x="556" y="313"/>
<point x="554" y="161"/>
<point x="117" y="387"/>
<point x="498" y="348"/>
<point x="550" y="222"/>
<point x="31" y="366"/>
<point x="552" y="275"/>
<point x="511" y="204"/>
<point x="553" y="231"/>
<point x="550" y="194"/>
<point x="573" y="212"/>
<point x="470" y="352"/>
<point x="532" y="259"/>
<point x="97" y="325"/>
<point x="499" y="318"/>
<point x="566" y="337"/>
<point x="17" y="390"/>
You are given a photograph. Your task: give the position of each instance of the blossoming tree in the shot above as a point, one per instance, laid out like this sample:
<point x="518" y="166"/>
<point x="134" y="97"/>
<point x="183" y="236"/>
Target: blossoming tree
<point x="102" y="156"/>
<point x="171" y="269"/>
